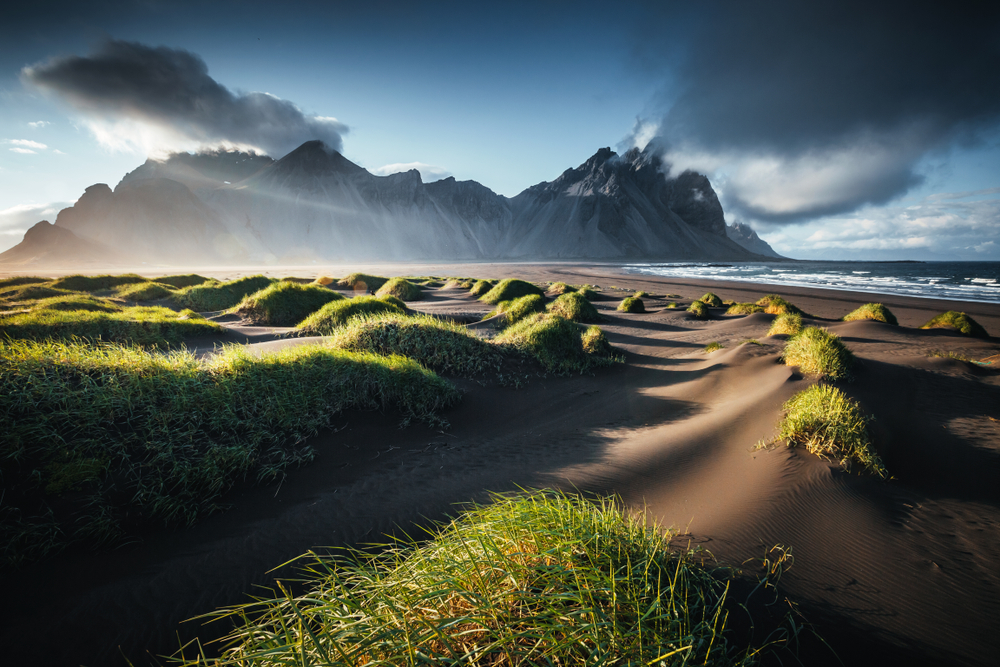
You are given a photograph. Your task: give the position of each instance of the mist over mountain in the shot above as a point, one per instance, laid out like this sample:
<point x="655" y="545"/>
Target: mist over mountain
<point x="745" y="235"/>
<point x="314" y="204"/>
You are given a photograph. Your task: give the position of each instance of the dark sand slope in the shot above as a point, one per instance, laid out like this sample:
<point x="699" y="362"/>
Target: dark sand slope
<point x="897" y="572"/>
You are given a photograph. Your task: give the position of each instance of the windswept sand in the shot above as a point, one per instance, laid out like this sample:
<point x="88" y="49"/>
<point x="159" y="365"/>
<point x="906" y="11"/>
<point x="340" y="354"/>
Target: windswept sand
<point x="888" y="572"/>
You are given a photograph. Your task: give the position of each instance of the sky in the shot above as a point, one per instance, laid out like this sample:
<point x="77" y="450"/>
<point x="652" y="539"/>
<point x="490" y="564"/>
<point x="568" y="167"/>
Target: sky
<point x="837" y="130"/>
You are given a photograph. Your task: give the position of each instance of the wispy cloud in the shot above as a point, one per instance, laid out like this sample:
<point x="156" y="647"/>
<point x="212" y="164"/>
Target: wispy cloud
<point x="157" y="100"/>
<point x="428" y="172"/>
<point x="23" y="151"/>
<point x="26" y="143"/>
<point x="38" y="124"/>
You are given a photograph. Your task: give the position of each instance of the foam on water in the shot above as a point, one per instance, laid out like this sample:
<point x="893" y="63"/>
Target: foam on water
<point x="966" y="281"/>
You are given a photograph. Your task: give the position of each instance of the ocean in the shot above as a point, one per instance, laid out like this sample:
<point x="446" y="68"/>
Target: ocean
<point x="965" y="281"/>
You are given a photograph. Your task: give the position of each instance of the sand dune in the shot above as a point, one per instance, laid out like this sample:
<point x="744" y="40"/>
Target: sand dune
<point x="902" y="571"/>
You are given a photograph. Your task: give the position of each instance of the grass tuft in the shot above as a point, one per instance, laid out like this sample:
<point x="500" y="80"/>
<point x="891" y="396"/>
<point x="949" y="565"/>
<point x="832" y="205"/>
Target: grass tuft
<point x="181" y="281"/>
<point x="22" y="280"/>
<point x="560" y="288"/>
<point x="631" y="305"/>
<point x="816" y="350"/>
<point x="711" y="299"/>
<point x="959" y="321"/>
<point x="362" y="282"/>
<point x="481" y="287"/>
<point x="786" y="323"/>
<point x="587" y="293"/>
<point x="775" y="305"/>
<point x="80" y="283"/>
<point x="509" y="289"/>
<point x="744" y="309"/>
<point x="596" y="342"/>
<point x="575" y="307"/>
<point x="402" y="289"/>
<point x="144" y="291"/>
<point x="516" y="310"/>
<point x="437" y="344"/>
<point x="214" y="295"/>
<point x="22" y="293"/>
<point x="872" y="311"/>
<point x="699" y="310"/>
<point x="553" y="341"/>
<point x="284" y="304"/>
<point x="96" y="441"/>
<point x="541" y="579"/>
<point x="336" y="313"/>
<point x="830" y="425"/>
<point x="713" y="346"/>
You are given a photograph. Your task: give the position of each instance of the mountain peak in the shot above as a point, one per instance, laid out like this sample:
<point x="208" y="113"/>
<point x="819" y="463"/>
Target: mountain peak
<point x="316" y="157"/>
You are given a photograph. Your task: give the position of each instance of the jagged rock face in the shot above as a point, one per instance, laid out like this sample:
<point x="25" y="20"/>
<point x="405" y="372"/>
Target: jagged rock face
<point x="49" y="245"/>
<point x="747" y="237"/>
<point x="315" y="204"/>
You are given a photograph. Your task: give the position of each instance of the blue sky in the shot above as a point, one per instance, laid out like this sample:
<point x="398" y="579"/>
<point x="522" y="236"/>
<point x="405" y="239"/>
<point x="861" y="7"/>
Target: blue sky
<point x="835" y="131"/>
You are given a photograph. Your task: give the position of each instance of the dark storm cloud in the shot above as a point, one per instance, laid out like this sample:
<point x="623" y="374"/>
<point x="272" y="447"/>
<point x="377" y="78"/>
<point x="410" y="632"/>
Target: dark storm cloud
<point x="171" y="89"/>
<point x="814" y="84"/>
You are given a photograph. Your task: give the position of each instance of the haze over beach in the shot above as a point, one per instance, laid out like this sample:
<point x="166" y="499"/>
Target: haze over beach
<point x="687" y="315"/>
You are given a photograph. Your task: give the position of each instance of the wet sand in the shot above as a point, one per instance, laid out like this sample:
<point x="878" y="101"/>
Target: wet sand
<point x="888" y="572"/>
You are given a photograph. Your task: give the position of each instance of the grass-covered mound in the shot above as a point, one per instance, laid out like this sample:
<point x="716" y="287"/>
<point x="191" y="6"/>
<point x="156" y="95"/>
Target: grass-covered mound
<point x="560" y="288"/>
<point x="481" y="287"/>
<point x="214" y="295"/>
<point x="553" y="341"/>
<point x="80" y="283"/>
<point x="284" y="304"/>
<point x="698" y="310"/>
<point x="181" y="281"/>
<point x="509" y="289"/>
<point x="22" y="280"/>
<point x="574" y="307"/>
<point x="631" y="304"/>
<point x="68" y="318"/>
<point x="872" y="311"/>
<point x="711" y="299"/>
<point x="596" y="342"/>
<point x="744" y="309"/>
<point x="402" y="289"/>
<point x="775" y="305"/>
<point x="324" y="281"/>
<point x="541" y="579"/>
<point x="714" y="346"/>
<point x="587" y="293"/>
<point x="786" y="323"/>
<point x="144" y="291"/>
<point x="816" y="350"/>
<point x="336" y="313"/>
<point x="362" y="282"/>
<point x="959" y="321"/>
<point x="830" y="425"/>
<point x="442" y="346"/>
<point x="32" y="292"/>
<point x="76" y="301"/>
<point x="97" y="441"/>
<point x="516" y="310"/>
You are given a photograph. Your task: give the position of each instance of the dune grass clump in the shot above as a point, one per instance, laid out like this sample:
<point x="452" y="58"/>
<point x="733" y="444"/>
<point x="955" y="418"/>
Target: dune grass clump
<point x="540" y="579"/>
<point x="786" y="323"/>
<point x="560" y="288"/>
<point x="775" y="305"/>
<point x="631" y="304"/>
<point x="144" y="291"/>
<point x="97" y="441"/>
<point x="214" y="295"/>
<point x="711" y="299"/>
<point x="180" y="281"/>
<point x="324" y="281"/>
<point x="76" y="301"/>
<point x="362" y="282"/>
<point x="595" y="342"/>
<point x="830" y="425"/>
<point x="698" y="310"/>
<point x="91" y="321"/>
<point x="442" y="346"/>
<point x="872" y="311"/>
<point x="31" y="292"/>
<point x="816" y="350"/>
<point x="402" y="289"/>
<point x="481" y="287"/>
<point x="713" y="346"/>
<point x="959" y="321"/>
<point x="22" y="280"/>
<point x="516" y="310"/>
<point x="508" y="289"/>
<point x="553" y="341"/>
<point x="587" y="293"/>
<point x="642" y="294"/>
<point x="336" y="313"/>
<point x="79" y="283"/>
<point x="744" y="309"/>
<point x="575" y="307"/>
<point x="284" y="304"/>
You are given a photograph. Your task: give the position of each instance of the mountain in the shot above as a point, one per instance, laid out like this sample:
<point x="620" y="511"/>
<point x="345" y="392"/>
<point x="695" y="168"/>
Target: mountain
<point x="316" y="205"/>
<point x="46" y="244"/>
<point x="747" y="237"/>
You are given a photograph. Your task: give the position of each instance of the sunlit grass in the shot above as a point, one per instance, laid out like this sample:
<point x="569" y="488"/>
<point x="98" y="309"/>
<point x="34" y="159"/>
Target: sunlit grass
<point x="481" y="287"/>
<point x="336" y="313"/>
<point x="711" y="299"/>
<point x="509" y="289"/>
<point x="96" y="441"/>
<point x="631" y="304"/>
<point x="214" y="295"/>
<point x="78" y="283"/>
<point x="698" y="310"/>
<point x="830" y="425"/>
<point x="744" y="309"/>
<point x="553" y="341"/>
<point x="541" y="579"/>
<point x="818" y="351"/>
<point x="284" y="304"/>
<point x="713" y="347"/>
<point x="362" y="282"/>
<point x="958" y="321"/>
<point x="402" y="289"/>
<point x="786" y="323"/>
<point x="776" y="305"/>
<point x="872" y="311"/>
<point x="516" y="310"/>
<point x="573" y="306"/>
<point x="149" y="291"/>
